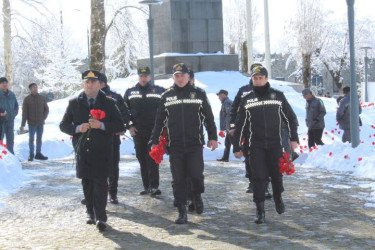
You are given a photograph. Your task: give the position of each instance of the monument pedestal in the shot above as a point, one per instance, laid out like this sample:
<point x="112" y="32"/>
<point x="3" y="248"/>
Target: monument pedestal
<point x="163" y="63"/>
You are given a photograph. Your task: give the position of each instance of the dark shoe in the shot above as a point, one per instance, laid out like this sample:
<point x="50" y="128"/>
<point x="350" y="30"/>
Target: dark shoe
<point x="90" y="219"/>
<point x="279" y="205"/>
<point x="250" y="189"/>
<point x="222" y="159"/>
<point x="260" y="214"/>
<point x="182" y="215"/>
<point x="39" y="156"/>
<point x="31" y="158"/>
<point x="146" y="191"/>
<point x="198" y="203"/>
<point x="294" y="156"/>
<point x="191" y="206"/>
<point x="101" y="225"/>
<point x="83" y="201"/>
<point x="113" y="199"/>
<point x="268" y="195"/>
<point x="155" y="191"/>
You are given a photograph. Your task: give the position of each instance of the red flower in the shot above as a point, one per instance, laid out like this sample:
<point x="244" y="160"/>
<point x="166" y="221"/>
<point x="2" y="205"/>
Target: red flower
<point x="326" y="133"/>
<point x="221" y="134"/>
<point x="4" y="152"/>
<point x="360" y="159"/>
<point x="71" y="137"/>
<point x="97" y="114"/>
<point x="123" y="138"/>
<point x="2" y="144"/>
<point x="346" y="156"/>
<point x="62" y="140"/>
<point x="286" y="165"/>
<point x="157" y="152"/>
<point x="330" y="153"/>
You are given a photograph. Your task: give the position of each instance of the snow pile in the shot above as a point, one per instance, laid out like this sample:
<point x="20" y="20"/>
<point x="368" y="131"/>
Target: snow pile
<point x="11" y="175"/>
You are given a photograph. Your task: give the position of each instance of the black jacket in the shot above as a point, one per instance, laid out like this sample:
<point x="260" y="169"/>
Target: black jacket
<point x="244" y="90"/>
<point x="261" y="115"/>
<point x="183" y="112"/>
<point x="93" y="155"/>
<point x="142" y="103"/>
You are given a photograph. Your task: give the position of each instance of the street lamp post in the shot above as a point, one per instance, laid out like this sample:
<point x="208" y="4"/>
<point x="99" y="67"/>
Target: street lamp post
<point x="354" y="104"/>
<point x="366" y="93"/>
<point x="150" y="24"/>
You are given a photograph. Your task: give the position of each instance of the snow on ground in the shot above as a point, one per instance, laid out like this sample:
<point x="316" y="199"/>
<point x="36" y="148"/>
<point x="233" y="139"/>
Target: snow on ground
<point x="11" y="174"/>
<point x="334" y="155"/>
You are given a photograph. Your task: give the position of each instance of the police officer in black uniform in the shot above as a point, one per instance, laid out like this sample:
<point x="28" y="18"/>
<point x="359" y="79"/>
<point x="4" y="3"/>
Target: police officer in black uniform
<point x="244" y="90"/>
<point x="119" y="102"/>
<point x="182" y="112"/>
<point x="142" y="102"/>
<point x="92" y="141"/>
<point x="260" y="114"/>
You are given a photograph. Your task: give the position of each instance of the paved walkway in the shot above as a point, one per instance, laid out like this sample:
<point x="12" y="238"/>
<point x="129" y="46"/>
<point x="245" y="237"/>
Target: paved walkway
<point x="323" y="210"/>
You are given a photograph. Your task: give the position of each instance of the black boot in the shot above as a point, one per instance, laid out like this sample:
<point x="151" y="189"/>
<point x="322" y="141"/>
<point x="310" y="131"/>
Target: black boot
<point x="182" y="215"/>
<point x="250" y="189"/>
<point x="223" y="159"/>
<point x="114" y="199"/>
<point x="260" y="214"/>
<point x="40" y="156"/>
<point x="279" y="204"/>
<point x="90" y="218"/>
<point x="198" y="203"/>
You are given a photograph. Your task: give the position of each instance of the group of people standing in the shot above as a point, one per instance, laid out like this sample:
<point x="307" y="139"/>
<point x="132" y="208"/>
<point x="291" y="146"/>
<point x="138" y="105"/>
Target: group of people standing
<point x="34" y="112"/>
<point x="259" y="123"/>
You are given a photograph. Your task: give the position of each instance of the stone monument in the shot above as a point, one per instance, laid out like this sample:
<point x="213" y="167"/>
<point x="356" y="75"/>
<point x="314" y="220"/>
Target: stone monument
<point x="189" y="31"/>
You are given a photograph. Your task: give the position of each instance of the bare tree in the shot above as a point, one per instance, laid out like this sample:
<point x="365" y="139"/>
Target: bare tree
<point x="306" y="29"/>
<point x="98" y="35"/>
<point x="8" y="57"/>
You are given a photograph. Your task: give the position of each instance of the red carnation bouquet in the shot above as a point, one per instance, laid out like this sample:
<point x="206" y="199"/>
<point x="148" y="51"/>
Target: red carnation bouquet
<point x="97" y="114"/>
<point x="286" y="164"/>
<point x="157" y="152"/>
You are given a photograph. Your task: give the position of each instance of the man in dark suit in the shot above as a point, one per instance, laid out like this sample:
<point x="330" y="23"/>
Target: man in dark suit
<point x="92" y="141"/>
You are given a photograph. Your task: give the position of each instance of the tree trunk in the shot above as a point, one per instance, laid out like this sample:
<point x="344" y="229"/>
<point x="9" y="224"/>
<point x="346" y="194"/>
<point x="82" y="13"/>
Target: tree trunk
<point x="8" y="58"/>
<point x="306" y="69"/>
<point x="244" y="57"/>
<point x="336" y="76"/>
<point x="98" y="34"/>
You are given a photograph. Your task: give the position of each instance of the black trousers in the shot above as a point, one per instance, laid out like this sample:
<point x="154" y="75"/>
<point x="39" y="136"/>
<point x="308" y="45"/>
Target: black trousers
<point x="113" y="178"/>
<point x="149" y="169"/>
<point x="264" y="164"/>
<point x="95" y="191"/>
<point x="315" y="137"/>
<point x="245" y="150"/>
<point x="227" y="144"/>
<point x="186" y="162"/>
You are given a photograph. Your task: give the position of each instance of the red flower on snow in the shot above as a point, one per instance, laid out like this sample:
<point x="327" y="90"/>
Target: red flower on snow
<point x="97" y="114"/>
<point x="286" y="165"/>
<point x="221" y="134"/>
<point x="2" y="144"/>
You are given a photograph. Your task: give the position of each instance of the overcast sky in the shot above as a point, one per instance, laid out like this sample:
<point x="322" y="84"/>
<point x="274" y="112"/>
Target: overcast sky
<point x="76" y="16"/>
